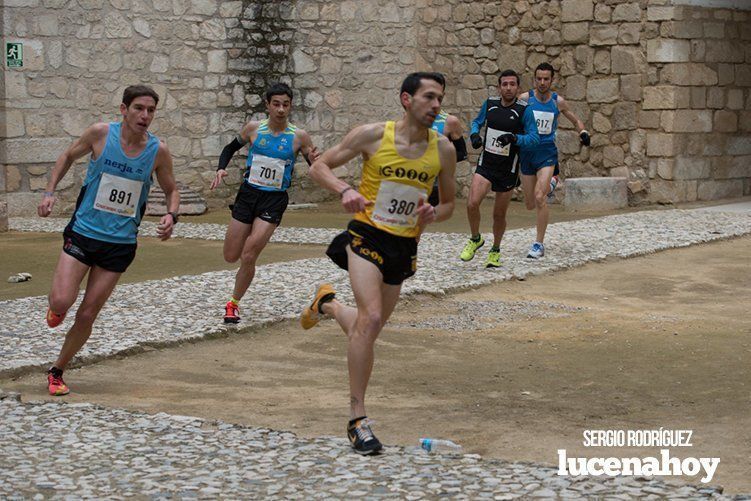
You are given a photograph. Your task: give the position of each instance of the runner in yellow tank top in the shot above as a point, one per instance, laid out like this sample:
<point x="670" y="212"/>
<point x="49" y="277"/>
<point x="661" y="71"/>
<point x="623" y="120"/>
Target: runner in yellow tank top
<point x="379" y="248"/>
<point x="396" y="185"/>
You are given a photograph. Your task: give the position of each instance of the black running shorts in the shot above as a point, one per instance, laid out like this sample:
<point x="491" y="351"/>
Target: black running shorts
<point x="91" y="252"/>
<point x="395" y="257"/>
<point x="501" y="180"/>
<point x="252" y="203"/>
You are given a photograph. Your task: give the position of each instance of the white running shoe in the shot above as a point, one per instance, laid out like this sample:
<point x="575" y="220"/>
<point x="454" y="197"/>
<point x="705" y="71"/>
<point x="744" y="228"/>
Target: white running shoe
<point x="536" y="251"/>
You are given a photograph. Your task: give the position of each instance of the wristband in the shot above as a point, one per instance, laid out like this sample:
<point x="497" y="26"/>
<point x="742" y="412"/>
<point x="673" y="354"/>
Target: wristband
<point x="174" y="217"/>
<point x="49" y="193"/>
<point x="345" y="190"/>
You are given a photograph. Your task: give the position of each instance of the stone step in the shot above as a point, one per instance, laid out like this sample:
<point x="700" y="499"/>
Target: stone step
<point x="596" y="193"/>
<point x="191" y="203"/>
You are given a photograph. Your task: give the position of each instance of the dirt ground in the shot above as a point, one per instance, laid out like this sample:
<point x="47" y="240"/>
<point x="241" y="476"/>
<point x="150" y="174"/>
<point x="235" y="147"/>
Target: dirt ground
<point x="656" y="341"/>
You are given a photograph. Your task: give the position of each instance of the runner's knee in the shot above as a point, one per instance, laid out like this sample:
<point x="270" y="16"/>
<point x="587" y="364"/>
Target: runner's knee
<point x="60" y="303"/>
<point x="369" y="323"/>
<point x="249" y="256"/>
<point x="541" y="198"/>
<point x="86" y="314"/>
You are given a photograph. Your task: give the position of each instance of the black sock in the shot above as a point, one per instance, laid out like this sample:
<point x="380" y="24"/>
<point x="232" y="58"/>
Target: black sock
<point x="325" y="299"/>
<point x="476" y="239"/>
<point x="55" y="371"/>
<point x="495" y="249"/>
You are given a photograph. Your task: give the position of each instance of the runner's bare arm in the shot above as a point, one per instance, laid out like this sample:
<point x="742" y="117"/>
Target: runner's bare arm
<point x="566" y="111"/>
<point x="524" y="96"/>
<point x="166" y="179"/>
<point x="446" y="187"/>
<point x="362" y="140"/>
<point x="229" y="150"/>
<point x="84" y="145"/>
<point x="583" y="134"/>
<point x="308" y="149"/>
<point x="453" y="128"/>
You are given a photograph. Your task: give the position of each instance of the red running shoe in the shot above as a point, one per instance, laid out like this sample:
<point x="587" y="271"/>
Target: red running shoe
<point x="53" y="319"/>
<point x="231" y="313"/>
<point x="55" y="382"/>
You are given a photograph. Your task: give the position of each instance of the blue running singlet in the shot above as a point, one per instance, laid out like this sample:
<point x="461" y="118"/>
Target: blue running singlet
<point x="546" y="119"/>
<point x="271" y="159"/>
<point x="440" y="122"/>
<point x="113" y="196"/>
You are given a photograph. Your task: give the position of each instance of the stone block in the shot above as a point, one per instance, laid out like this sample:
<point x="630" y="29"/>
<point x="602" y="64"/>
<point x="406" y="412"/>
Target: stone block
<point x="624" y="116"/>
<point x="3" y="213"/>
<point x="577" y="10"/>
<point x="714" y="30"/>
<point x="605" y="90"/>
<point x="575" y="33"/>
<point x="735" y="99"/>
<point x="690" y="29"/>
<point x="217" y="61"/>
<point x="743" y="75"/>
<point x="739" y="145"/>
<point x="669" y="192"/>
<point x="12" y="178"/>
<point x="24" y="204"/>
<point x="35" y="150"/>
<point x="11" y="124"/>
<point x="698" y="97"/>
<point x="602" y="62"/>
<point x="721" y="51"/>
<point x="745" y="121"/>
<point x="711" y="189"/>
<point x="689" y="74"/>
<point x="576" y="87"/>
<point x="665" y="167"/>
<point x="663" y="50"/>
<point x="662" y="145"/>
<point x="601" y="123"/>
<point x="691" y="168"/>
<point x="629" y="33"/>
<point x="631" y="87"/>
<point x="513" y="57"/>
<point x="603" y="13"/>
<point x="665" y="97"/>
<point x="660" y="13"/>
<point x="731" y="167"/>
<point x="649" y="119"/>
<point x="603" y="34"/>
<point x="612" y="156"/>
<point x="686" y="121"/>
<point x="596" y="193"/>
<point x="725" y="74"/>
<point x="621" y="171"/>
<point x="627" y="60"/>
<point x="715" y="98"/>
<point x="627" y="12"/>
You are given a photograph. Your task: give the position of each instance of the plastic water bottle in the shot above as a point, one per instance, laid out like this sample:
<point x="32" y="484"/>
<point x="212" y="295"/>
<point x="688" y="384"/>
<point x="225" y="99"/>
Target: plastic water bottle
<point x="438" y="446"/>
<point x="553" y="184"/>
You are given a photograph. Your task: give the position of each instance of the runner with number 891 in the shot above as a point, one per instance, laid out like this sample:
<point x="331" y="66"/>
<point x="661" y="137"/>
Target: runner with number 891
<point x="119" y="196"/>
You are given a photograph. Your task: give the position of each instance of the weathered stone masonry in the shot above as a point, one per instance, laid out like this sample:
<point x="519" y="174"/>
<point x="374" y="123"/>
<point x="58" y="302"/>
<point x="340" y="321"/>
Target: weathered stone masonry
<point x="665" y="89"/>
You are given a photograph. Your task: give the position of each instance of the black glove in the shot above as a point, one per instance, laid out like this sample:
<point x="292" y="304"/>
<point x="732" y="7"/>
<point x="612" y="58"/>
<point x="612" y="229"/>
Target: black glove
<point x="507" y="138"/>
<point x="584" y="138"/>
<point x="476" y="140"/>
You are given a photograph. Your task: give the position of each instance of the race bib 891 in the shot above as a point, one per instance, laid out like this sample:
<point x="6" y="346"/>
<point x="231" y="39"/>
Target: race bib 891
<point x="118" y="195"/>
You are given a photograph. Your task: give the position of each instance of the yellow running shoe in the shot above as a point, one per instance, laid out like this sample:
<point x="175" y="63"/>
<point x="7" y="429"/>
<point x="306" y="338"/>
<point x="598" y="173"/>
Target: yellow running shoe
<point x="312" y="314"/>
<point x="494" y="259"/>
<point x="471" y="248"/>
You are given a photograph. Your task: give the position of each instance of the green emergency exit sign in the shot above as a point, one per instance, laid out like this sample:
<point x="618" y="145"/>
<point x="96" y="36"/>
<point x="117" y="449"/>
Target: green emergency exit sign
<point x="14" y="54"/>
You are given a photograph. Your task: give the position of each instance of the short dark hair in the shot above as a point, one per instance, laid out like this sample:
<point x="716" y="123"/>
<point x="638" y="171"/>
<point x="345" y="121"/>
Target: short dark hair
<point x="509" y="73"/>
<point x="278" y="89"/>
<point x="133" y="91"/>
<point x="414" y="80"/>
<point x="545" y="67"/>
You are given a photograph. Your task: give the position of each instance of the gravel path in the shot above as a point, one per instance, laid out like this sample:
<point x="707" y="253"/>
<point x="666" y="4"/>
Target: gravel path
<point x="58" y="450"/>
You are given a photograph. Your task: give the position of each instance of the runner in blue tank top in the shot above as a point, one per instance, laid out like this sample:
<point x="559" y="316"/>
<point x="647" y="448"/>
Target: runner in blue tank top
<point x="449" y="126"/>
<point x="539" y="163"/>
<point x="262" y="198"/>
<point x="101" y="236"/>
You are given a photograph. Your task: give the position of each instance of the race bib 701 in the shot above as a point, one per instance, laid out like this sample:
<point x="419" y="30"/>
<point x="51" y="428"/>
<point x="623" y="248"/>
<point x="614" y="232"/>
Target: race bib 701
<point x="267" y="171"/>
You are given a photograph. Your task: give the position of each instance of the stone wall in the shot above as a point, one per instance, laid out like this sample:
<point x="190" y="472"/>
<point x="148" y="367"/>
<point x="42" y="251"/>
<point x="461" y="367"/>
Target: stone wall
<point x="664" y="89"/>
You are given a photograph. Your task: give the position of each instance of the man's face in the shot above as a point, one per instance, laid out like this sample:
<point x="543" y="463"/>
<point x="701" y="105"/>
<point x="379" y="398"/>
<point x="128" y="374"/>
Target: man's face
<point x="140" y="113"/>
<point x="425" y="105"/>
<point x="279" y="106"/>
<point x="543" y="80"/>
<point x="508" y="88"/>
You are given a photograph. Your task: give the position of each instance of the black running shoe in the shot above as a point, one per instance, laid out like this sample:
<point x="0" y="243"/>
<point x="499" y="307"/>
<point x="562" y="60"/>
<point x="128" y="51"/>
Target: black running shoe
<point x="361" y="437"/>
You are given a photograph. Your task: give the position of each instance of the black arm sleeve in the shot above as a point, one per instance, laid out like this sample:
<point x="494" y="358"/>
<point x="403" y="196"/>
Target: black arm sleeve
<point x="461" y="148"/>
<point x="227" y="153"/>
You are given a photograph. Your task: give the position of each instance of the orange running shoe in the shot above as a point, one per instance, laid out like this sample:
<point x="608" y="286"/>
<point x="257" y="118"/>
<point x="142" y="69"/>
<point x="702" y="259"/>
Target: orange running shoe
<point x="53" y="319"/>
<point x="55" y="382"/>
<point x="312" y="314"/>
<point x="231" y="313"/>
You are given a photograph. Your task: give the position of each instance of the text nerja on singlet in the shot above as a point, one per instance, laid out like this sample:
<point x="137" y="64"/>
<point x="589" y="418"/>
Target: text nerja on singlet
<point x="119" y="165"/>
<point x="412" y="174"/>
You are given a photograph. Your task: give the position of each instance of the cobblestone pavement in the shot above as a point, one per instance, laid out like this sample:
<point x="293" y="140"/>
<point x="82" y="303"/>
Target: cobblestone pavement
<point x="57" y="450"/>
<point x="91" y="451"/>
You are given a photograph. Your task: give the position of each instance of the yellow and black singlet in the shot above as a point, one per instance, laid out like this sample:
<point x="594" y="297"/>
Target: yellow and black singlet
<point x="396" y="184"/>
